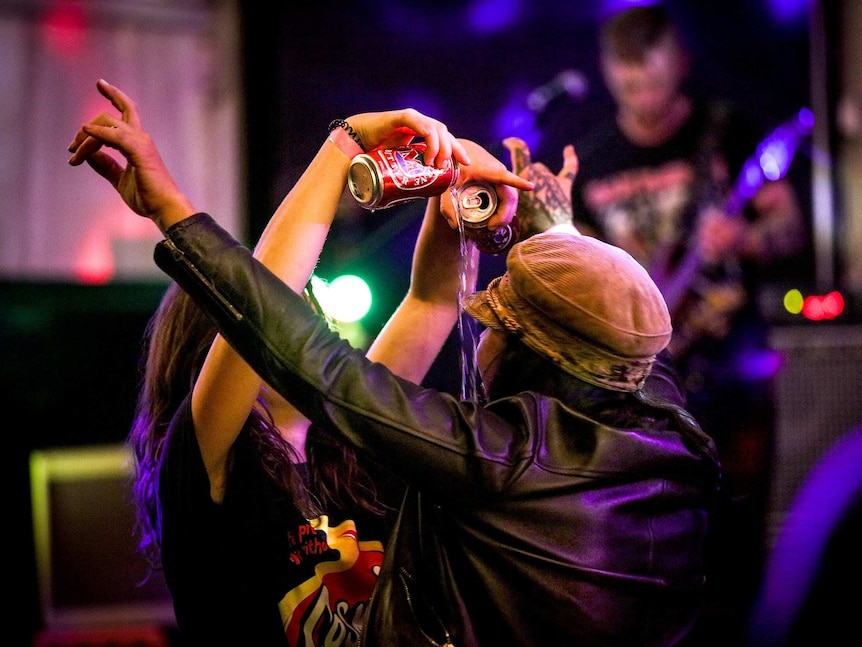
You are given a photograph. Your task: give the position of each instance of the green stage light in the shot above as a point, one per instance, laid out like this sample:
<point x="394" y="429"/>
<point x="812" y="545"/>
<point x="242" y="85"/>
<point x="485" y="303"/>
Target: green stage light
<point x="347" y="298"/>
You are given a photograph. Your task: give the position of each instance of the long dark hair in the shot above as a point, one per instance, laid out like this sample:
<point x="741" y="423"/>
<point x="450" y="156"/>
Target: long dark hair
<point x="175" y="344"/>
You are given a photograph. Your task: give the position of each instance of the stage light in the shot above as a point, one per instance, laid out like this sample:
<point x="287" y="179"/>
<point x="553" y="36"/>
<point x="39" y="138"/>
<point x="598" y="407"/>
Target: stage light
<point x="817" y="307"/>
<point x="347" y="298"/>
<point x="793" y="301"/>
<point x="814" y="307"/>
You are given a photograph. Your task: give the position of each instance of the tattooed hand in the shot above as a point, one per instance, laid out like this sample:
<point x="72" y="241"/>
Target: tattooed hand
<point x="550" y="203"/>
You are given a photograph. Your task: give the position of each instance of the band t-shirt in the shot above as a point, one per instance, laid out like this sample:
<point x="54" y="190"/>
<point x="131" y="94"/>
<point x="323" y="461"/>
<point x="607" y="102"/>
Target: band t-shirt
<point x="647" y="199"/>
<point x="253" y="570"/>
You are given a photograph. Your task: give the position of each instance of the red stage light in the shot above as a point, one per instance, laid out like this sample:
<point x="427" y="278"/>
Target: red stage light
<point x="818" y="307"/>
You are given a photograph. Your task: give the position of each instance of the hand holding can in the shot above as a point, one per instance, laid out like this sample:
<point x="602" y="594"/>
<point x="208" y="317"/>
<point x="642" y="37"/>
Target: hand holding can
<point x="388" y="176"/>
<point x="475" y="203"/>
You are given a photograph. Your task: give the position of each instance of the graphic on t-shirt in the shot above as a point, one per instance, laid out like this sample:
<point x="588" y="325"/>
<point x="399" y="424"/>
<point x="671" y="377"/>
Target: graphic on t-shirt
<point x="650" y="212"/>
<point x="642" y="210"/>
<point x="329" y="608"/>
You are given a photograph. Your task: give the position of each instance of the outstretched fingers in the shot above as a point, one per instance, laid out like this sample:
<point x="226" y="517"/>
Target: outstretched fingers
<point x="501" y="175"/>
<point x="121" y="101"/>
<point x="569" y="171"/>
<point x="570" y="164"/>
<point x="92" y="136"/>
<point x="104" y="130"/>
<point x="519" y="152"/>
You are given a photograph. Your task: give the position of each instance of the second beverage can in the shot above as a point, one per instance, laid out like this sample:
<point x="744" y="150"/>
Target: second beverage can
<point x="476" y="202"/>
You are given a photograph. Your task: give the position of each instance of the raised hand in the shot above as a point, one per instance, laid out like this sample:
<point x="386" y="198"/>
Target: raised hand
<point x="549" y="204"/>
<point x="143" y="181"/>
<point x="397" y="128"/>
<point x="487" y="168"/>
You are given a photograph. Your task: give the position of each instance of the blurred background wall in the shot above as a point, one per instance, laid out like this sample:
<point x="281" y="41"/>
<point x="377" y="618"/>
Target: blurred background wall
<point x="238" y="96"/>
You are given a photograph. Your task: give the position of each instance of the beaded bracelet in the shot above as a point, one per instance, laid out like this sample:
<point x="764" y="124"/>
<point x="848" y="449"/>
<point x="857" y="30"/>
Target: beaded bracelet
<point x="342" y="135"/>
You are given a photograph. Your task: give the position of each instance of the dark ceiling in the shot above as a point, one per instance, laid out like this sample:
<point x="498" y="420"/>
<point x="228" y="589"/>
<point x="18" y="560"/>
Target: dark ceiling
<point x="472" y="65"/>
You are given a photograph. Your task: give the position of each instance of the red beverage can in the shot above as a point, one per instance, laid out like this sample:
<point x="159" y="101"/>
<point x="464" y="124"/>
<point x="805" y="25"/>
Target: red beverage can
<point x="389" y="176"/>
<point x="476" y="202"/>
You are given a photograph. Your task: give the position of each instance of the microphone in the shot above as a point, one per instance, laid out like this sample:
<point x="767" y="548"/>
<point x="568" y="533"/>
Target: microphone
<point x="567" y="82"/>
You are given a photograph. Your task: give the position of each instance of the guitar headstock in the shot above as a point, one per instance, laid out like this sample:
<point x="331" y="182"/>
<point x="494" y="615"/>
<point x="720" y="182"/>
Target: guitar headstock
<point x="773" y="157"/>
<point x="776" y="152"/>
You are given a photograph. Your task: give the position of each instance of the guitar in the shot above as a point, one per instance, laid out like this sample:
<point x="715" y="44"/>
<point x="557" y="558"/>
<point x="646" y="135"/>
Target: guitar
<point x="771" y="161"/>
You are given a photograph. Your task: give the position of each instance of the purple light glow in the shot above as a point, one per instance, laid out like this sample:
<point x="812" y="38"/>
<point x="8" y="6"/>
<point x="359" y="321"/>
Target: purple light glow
<point x="610" y="7"/>
<point x="514" y="119"/>
<point x="760" y="365"/>
<point x="824" y="496"/>
<point x="788" y="11"/>
<point x="489" y="16"/>
<point x="425" y="102"/>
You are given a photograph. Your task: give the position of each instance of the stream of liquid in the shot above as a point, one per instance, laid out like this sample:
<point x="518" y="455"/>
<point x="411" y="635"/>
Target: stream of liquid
<point x="471" y="388"/>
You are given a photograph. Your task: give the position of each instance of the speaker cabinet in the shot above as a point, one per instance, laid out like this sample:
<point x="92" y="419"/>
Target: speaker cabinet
<point x="819" y="399"/>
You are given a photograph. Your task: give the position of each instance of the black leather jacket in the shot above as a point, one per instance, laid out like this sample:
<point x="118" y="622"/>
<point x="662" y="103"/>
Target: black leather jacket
<point x="525" y="522"/>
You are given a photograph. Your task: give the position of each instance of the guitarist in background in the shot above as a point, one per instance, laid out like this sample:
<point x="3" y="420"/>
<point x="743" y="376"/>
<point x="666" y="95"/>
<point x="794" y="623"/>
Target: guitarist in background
<point x="654" y="180"/>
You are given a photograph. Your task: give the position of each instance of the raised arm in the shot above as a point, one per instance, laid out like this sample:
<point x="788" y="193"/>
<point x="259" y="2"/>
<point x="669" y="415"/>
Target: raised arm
<point x="417" y="330"/>
<point x="292" y="240"/>
<point x="549" y="205"/>
<point x="290" y="246"/>
<point x="227" y="388"/>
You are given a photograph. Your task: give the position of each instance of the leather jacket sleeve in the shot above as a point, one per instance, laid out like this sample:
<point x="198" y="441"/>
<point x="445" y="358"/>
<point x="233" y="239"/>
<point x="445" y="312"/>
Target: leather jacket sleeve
<point x="446" y="445"/>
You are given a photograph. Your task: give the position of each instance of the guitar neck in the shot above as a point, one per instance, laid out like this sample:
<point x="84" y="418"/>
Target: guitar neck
<point x="771" y="161"/>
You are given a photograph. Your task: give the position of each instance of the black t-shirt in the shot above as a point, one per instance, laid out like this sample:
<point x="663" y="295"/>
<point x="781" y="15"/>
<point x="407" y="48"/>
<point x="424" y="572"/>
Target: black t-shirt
<point x="646" y="199"/>
<point x="251" y="570"/>
<point x="642" y="198"/>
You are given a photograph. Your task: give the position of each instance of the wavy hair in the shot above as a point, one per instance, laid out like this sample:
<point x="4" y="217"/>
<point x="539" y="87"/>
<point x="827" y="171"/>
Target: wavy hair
<point x="175" y="343"/>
